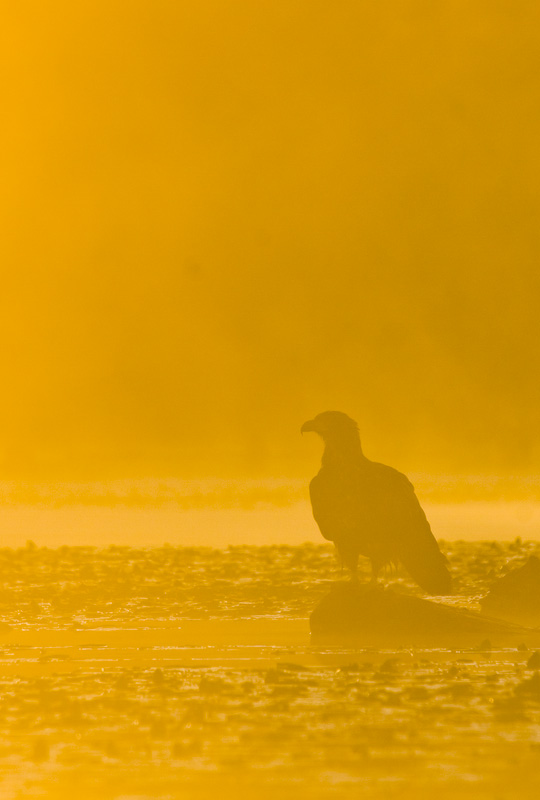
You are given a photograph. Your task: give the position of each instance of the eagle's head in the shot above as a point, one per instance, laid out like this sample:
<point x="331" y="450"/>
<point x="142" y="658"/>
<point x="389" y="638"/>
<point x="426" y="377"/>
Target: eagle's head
<point x="332" y="425"/>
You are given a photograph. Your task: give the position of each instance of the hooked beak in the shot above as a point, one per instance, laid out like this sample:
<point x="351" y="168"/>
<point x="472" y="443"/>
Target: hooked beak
<point x="308" y="427"/>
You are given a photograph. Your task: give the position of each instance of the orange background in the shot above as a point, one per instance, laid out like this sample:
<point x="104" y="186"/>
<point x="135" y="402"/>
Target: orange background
<point x="222" y="218"/>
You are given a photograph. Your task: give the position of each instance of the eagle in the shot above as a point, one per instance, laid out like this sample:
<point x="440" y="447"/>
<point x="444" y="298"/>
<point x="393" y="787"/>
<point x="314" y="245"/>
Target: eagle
<point x="370" y="509"/>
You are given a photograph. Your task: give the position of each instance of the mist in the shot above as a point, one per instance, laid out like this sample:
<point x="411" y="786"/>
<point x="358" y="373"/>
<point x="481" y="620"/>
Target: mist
<point x="220" y="221"/>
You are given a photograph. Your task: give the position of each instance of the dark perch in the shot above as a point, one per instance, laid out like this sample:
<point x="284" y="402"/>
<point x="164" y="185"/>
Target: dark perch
<point x="516" y="596"/>
<point x="369" y="616"/>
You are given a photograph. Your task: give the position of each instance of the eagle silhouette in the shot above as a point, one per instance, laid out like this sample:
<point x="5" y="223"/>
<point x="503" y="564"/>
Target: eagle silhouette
<point x="370" y="509"/>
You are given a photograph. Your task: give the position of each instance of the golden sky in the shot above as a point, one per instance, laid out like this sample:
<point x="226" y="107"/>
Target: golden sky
<point x="220" y="219"/>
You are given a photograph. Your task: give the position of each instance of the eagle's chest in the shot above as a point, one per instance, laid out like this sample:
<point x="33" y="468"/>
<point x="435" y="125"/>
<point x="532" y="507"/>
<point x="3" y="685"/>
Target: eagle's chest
<point x="347" y="503"/>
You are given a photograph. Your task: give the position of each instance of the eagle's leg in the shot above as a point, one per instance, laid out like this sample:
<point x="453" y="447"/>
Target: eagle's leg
<point x="349" y="558"/>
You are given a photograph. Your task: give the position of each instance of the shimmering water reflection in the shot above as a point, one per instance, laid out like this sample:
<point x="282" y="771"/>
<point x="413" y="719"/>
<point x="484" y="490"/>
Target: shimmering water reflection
<point x="171" y="672"/>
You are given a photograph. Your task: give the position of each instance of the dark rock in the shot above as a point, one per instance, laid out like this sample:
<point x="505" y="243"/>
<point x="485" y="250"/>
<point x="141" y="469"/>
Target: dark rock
<point x="516" y="596"/>
<point x="534" y="661"/>
<point x="529" y="686"/>
<point x="371" y="616"/>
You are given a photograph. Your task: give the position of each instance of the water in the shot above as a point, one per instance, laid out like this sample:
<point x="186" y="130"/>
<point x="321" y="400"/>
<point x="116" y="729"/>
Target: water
<point x="186" y="672"/>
